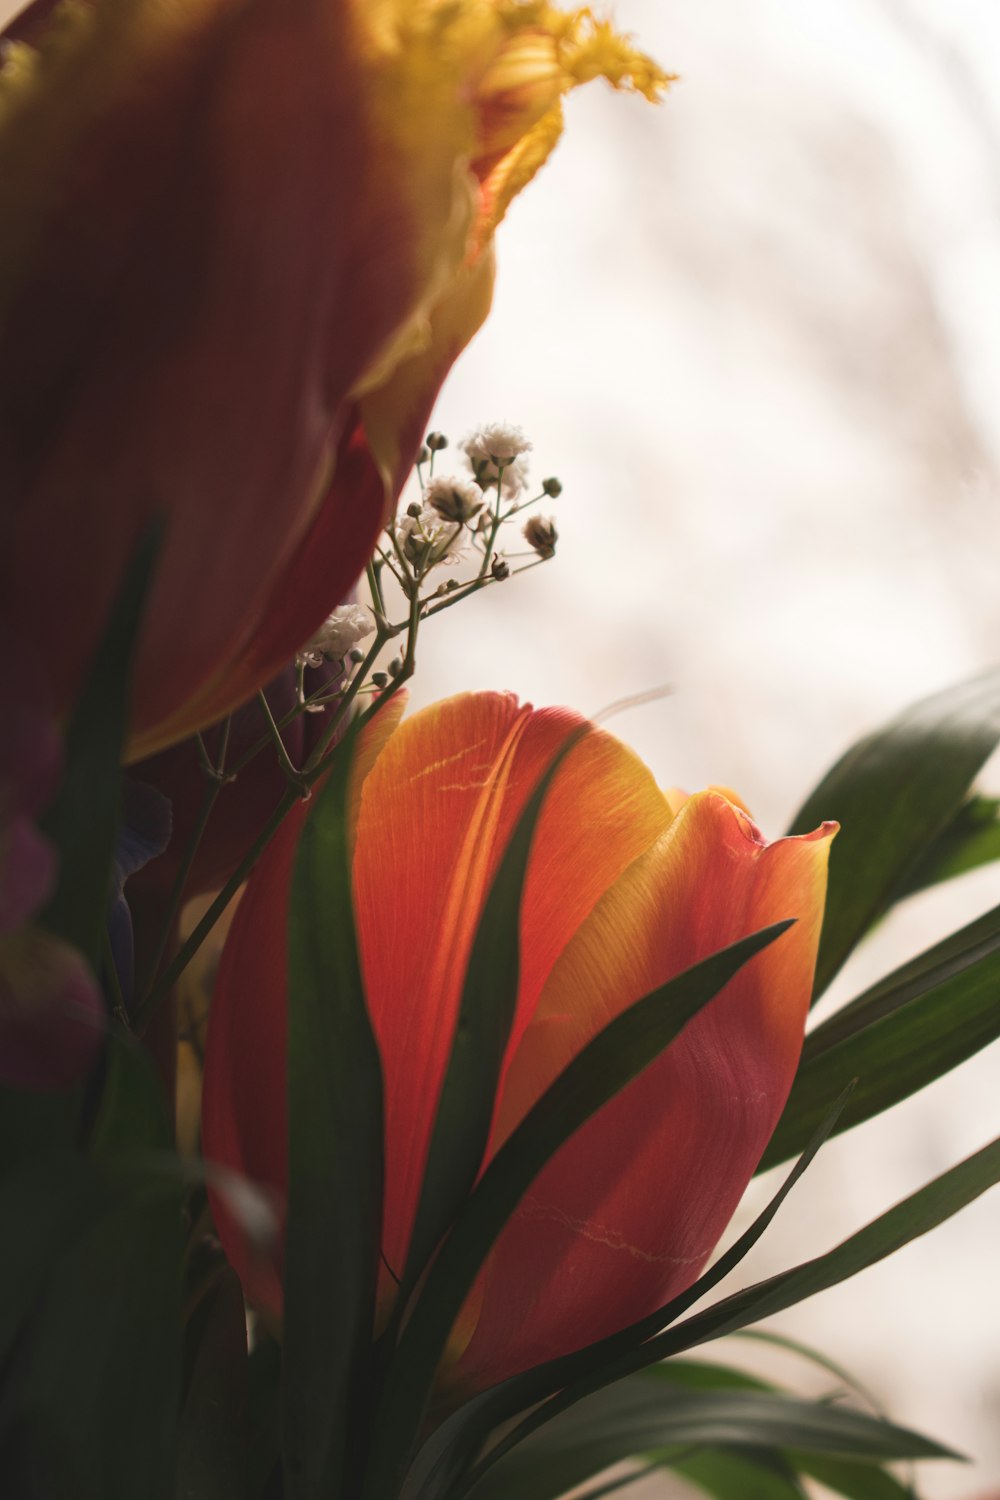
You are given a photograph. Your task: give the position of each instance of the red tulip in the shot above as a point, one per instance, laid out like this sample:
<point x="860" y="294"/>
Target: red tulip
<point x="244" y="242"/>
<point x="626" y="887"/>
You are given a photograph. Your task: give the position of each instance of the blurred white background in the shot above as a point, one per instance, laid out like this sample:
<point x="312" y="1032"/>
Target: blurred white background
<point x="756" y="333"/>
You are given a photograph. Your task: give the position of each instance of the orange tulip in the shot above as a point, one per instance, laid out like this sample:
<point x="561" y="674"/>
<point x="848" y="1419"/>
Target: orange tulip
<point x="244" y="242"/>
<point x="626" y="887"/>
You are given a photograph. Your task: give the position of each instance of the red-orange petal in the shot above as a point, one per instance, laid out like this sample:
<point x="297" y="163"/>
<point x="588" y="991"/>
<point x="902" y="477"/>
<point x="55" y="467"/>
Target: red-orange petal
<point x="188" y="301"/>
<point x="627" y="1213"/>
<point x="436" y="815"/>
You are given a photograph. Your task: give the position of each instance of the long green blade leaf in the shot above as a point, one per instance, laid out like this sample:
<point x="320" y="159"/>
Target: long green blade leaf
<point x="333" y="1231"/>
<point x="486" y="1015"/>
<point x="851" y="1479"/>
<point x="895" y="793"/>
<point x="732" y="1474"/>
<point x="906" y="1221"/>
<point x="922" y="1211"/>
<point x="576" y="1375"/>
<point x="635" y="1416"/>
<point x="912" y="1027"/>
<point x="971" y="839"/>
<point x="88" y="1403"/>
<point x="83" y="819"/>
<point x="611" y="1060"/>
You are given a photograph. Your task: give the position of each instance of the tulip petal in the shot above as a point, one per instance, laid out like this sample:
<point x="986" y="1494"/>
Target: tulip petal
<point x="628" y="1212"/>
<point x="187" y="301"/>
<point x="436" y="815"/>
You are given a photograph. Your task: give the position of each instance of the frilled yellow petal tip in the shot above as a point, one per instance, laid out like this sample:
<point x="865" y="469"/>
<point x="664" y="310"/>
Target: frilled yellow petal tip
<point x="548" y="52"/>
<point x="592" y="48"/>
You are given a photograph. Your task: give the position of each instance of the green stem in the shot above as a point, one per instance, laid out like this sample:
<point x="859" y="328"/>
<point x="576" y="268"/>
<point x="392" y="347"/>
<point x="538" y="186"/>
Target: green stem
<point x="186" y="952"/>
<point x="376" y="588"/>
<point x="309" y="770"/>
<point x="118" y="1007"/>
<point x="177" y="889"/>
<point x="287" y="764"/>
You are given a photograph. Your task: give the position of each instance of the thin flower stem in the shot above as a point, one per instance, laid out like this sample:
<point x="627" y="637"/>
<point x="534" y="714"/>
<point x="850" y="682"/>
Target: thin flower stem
<point x="319" y="753"/>
<point x="388" y="562"/>
<point x="472" y="587"/>
<point x="498" y="521"/>
<point x="376" y="588"/>
<point x="118" y="1007"/>
<point x="406" y="582"/>
<point x="308" y="776"/>
<point x="287" y="764"/>
<point x="188" y="949"/>
<point x="212" y="791"/>
<point x="207" y="764"/>
<point x="266" y="738"/>
<point x="227" y="725"/>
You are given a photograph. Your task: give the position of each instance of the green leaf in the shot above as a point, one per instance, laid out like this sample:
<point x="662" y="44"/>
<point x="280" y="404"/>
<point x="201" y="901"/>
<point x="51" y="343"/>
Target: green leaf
<point x="922" y="1211"/>
<point x="34" y="1124"/>
<point x="855" y="1480"/>
<point x="912" y="1027"/>
<point x="212" y="1431"/>
<point x="894" y="794"/>
<point x="906" y="1221"/>
<point x="44" y="1206"/>
<point x="703" y="1375"/>
<point x="482" y="1031"/>
<point x="132" y="1113"/>
<point x="971" y="839"/>
<point x="732" y="1474"/>
<point x="610" y="1060"/>
<point x="821" y="1361"/>
<point x="637" y="1415"/>
<point x="333" y="1233"/>
<point x="263" y="1424"/>
<point x="569" y="1378"/>
<point x="88" y="1403"/>
<point x="83" y="819"/>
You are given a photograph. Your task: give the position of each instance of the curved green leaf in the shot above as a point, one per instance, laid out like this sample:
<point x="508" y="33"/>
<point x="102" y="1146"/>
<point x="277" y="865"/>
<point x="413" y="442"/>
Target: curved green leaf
<point x="906" y="1221"/>
<point x="83" y="818"/>
<point x="734" y="1474"/>
<point x="212" y="1430"/>
<point x="635" y="1416"/>
<point x="853" y="1480"/>
<point x="448" y="1458"/>
<point x="971" y="839"/>
<point x="912" y="1027"/>
<point x="611" y="1060"/>
<point x="573" y="1376"/>
<point x="895" y="794"/>
<point x="333" y="1232"/>
<point x="88" y="1401"/>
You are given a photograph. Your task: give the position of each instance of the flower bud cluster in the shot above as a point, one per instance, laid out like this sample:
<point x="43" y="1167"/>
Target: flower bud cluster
<point x="456" y="520"/>
<point x="460" y="515"/>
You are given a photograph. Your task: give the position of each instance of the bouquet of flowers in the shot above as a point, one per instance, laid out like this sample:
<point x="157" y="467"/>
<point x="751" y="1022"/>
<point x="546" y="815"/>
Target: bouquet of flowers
<point x="423" y="1200"/>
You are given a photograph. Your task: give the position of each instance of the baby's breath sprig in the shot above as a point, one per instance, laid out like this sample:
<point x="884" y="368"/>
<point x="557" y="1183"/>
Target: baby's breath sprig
<point x="457" y="523"/>
<point x="459" y="519"/>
